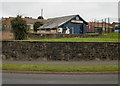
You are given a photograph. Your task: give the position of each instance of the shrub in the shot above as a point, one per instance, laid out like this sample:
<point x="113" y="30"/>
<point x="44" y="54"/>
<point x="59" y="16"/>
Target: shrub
<point x="37" y="25"/>
<point x="19" y="28"/>
<point x="40" y="17"/>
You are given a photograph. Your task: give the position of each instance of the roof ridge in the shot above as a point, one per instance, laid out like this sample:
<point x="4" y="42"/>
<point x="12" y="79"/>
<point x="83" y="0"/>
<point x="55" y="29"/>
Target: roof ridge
<point x="63" y="16"/>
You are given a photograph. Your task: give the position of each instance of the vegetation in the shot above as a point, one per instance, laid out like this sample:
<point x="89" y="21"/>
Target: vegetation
<point x="40" y="17"/>
<point x="57" y="68"/>
<point x="107" y="37"/>
<point x="37" y="25"/>
<point x="31" y="31"/>
<point x="19" y="28"/>
<point x="111" y="35"/>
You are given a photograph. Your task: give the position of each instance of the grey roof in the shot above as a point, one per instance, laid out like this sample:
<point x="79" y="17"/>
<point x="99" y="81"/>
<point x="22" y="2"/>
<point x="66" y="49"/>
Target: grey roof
<point x="55" y="22"/>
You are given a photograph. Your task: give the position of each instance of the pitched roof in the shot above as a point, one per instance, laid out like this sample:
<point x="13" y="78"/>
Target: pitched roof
<point x="55" y="22"/>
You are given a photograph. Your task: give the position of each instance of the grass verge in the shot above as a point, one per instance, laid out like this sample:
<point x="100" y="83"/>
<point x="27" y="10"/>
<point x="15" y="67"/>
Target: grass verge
<point x="107" y="37"/>
<point x="26" y="67"/>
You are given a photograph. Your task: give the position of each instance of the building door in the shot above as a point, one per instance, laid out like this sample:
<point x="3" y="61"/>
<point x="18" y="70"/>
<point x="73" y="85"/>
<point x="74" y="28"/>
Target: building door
<point x="78" y="28"/>
<point x="75" y="29"/>
<point x="81" y="28"/>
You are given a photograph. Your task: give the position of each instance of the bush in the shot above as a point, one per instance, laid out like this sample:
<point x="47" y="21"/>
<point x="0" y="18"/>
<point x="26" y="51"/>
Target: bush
<point x="19" y="28"/>
<point x="37" y="25"/>
<point x="40" y="17"/>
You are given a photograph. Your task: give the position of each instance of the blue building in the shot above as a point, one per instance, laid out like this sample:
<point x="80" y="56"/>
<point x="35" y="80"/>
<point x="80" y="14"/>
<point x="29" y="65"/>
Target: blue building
<point x="72" y="24"/>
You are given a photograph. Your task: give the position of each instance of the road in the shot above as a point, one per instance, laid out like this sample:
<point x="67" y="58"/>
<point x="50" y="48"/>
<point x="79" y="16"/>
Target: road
<point x="17" y="78"/>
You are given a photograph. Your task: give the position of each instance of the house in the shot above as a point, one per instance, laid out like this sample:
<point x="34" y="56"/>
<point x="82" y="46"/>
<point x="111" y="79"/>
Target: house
<point x="29" y="20"/>
<point x="94" y="26"/>
<point x="116" y="26"/>
<point x="72" y="24"/>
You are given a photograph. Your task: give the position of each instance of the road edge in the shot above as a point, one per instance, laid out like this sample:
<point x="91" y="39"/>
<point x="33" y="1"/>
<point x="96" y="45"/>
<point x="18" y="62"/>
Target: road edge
<point x="48" y="72"/>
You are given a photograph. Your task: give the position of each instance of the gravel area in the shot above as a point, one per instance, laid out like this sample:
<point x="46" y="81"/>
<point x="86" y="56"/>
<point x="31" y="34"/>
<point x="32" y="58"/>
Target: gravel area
<point x="74" y="63"/>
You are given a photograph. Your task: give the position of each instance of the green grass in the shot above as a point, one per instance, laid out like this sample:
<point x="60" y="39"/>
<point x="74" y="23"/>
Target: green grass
<point x="106" y="37"/>
<point x="111" y="35"/>
<point x="25" y="67"/>
<point x="31" y="31"/>
<point x="80" y="40"/>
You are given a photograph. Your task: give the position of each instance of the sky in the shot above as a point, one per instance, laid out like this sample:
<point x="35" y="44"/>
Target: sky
<point x="89" y="10"/>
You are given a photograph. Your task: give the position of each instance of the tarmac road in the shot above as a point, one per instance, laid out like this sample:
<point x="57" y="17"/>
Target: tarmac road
<point x="18" y="78"/>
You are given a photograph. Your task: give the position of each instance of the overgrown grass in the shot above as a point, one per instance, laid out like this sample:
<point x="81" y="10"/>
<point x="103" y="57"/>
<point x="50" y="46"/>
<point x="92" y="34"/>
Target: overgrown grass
<point x="25" y="67"/>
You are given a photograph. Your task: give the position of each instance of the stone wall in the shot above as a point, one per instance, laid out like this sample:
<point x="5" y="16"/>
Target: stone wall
<point x="43" y="36"/>
<point x="35" y="50"/>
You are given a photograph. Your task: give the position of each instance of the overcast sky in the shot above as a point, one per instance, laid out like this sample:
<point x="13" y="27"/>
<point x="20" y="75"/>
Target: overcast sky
<point x="87" y="10"/>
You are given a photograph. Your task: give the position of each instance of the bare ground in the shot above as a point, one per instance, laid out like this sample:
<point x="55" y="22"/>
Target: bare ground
<point x="73" y="63"/>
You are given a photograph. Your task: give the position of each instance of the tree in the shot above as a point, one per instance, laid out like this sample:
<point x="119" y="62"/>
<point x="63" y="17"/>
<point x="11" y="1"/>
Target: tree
<point x="37" y="25"/>
<point x="40" y="17"/>
<point x="19" y="28"/>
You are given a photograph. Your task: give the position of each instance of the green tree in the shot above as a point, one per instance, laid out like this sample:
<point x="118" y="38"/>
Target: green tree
<point x="37" y="25"/>
<point x="40" y="17"/>
<point x="19" y="28"/>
